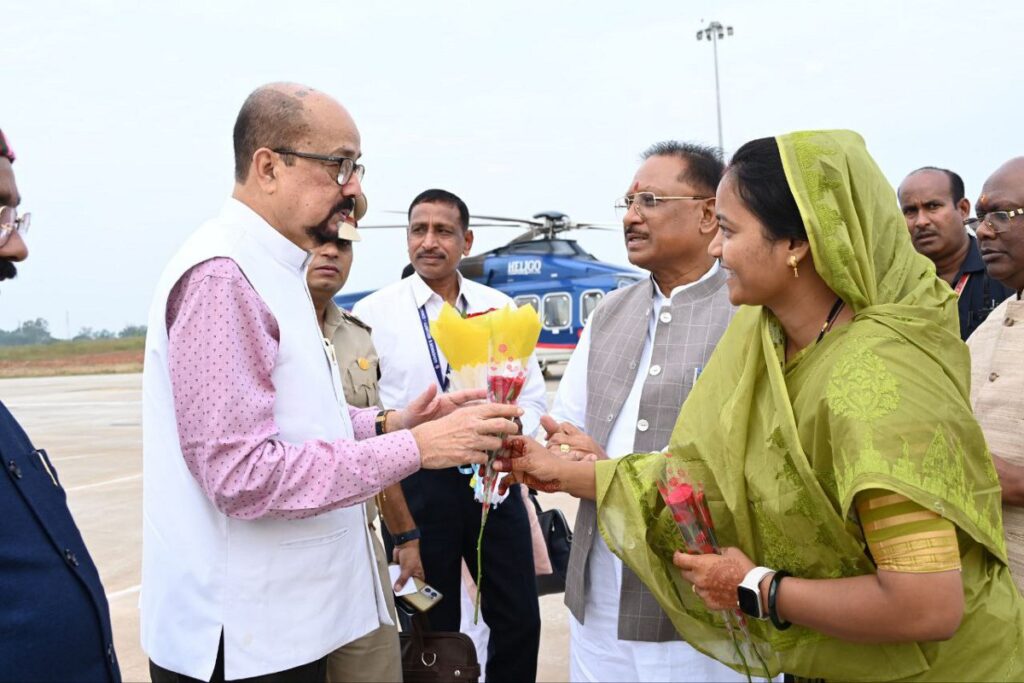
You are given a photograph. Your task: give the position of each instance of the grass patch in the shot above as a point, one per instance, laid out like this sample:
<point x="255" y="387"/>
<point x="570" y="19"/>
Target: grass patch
<point x="84" y="357"/>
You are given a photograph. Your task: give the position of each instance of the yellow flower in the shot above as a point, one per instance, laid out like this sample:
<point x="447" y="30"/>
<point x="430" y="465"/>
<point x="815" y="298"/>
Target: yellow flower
<point x="463" y="341"/>
<point x="514" y="332"/>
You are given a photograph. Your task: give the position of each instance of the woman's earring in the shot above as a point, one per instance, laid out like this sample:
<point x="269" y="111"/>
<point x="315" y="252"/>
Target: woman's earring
<point x="793" y="265"/>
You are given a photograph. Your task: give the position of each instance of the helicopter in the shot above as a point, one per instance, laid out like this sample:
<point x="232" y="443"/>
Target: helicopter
<point x="558" y="277"/>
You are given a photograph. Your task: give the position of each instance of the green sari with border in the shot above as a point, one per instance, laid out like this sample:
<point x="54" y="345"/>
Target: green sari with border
<point x="781" y="449"/>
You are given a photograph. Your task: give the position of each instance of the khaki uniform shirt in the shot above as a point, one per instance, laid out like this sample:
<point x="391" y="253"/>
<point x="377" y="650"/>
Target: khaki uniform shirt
<point x="376" y="656"/>
<point x="358" y="364"/>
<point x="997" y="394"/>
<point x="357" y="359"/>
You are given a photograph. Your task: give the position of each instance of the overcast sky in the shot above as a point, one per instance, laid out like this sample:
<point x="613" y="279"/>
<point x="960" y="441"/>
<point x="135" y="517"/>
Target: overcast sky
<point x="121" y="112"/>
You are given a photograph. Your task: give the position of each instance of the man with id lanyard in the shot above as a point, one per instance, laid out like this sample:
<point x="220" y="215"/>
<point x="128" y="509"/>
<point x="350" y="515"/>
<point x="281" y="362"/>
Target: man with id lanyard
<point x="639" y="356"/>
<point x="935" y="208"/>
<point x="442" y="501"/>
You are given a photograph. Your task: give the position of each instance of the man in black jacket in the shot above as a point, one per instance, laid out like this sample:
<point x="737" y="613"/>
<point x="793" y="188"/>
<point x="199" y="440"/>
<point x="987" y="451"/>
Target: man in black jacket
<point x="54" y="619"/>
<point x="935" y="207"/>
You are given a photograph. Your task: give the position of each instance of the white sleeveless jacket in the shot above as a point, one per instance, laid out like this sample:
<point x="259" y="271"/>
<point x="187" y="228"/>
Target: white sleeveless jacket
<point x="285" y="592"/>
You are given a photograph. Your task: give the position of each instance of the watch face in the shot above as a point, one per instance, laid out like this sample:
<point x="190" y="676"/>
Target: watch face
<point x="750" y="601"/>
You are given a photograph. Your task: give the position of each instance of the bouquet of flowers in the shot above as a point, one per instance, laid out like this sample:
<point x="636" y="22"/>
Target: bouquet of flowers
<point x="693" y="518"/>
<point x="487" y="351"/>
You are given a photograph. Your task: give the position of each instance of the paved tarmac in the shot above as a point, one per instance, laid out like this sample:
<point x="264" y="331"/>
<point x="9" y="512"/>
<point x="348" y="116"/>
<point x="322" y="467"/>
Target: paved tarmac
<point x="91" y="427"/>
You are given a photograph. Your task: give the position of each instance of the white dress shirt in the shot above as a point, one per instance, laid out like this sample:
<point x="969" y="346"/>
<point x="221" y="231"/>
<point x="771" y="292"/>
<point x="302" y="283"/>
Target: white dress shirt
<point x="405" y="365"/>
<point x="595" y="651"/>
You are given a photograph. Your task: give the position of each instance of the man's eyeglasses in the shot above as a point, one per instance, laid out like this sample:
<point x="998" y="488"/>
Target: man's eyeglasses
<point x="643" y="201"/>
<point x="998" y="221"/>
<point x="347" y="166"/>
<point x="11" y="222"/>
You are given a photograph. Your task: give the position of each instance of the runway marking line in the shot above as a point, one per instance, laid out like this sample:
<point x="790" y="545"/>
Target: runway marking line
<point x="119" y="480"/>
<point x="121" y="593"/>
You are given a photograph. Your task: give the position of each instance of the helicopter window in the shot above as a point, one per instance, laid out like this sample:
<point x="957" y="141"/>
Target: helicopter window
<point x="562" y="249"/>
<point x="557" y="311"/>
<point x="588" y="302"/>
<point x="540" y="247"/>
<point x="528" y="299"/>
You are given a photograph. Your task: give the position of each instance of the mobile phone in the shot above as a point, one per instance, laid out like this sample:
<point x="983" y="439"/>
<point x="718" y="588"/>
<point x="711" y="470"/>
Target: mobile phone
<point x="422" y="598"/>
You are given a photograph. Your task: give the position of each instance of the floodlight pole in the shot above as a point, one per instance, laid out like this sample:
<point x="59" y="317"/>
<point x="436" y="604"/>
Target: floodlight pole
<point x="715" y="32"/>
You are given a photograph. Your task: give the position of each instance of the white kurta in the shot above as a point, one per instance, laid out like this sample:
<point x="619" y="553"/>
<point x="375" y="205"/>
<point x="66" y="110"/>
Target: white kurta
<point x="595" y="651"/>
<point x="280" y="592"/>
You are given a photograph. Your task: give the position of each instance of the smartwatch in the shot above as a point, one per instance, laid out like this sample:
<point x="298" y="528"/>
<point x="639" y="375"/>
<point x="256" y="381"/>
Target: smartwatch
<point x="748" y="593"/>
<point x="406" y="536"/>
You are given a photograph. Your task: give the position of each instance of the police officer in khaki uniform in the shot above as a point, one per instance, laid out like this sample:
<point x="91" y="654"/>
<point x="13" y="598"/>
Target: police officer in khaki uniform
<point x="376" y="656"/>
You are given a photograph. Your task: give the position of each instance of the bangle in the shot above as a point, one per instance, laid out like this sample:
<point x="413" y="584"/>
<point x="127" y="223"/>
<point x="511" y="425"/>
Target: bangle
<point x="381" y="421"/>
<point x="773" y="592"/>
<point x="406" y="536"/>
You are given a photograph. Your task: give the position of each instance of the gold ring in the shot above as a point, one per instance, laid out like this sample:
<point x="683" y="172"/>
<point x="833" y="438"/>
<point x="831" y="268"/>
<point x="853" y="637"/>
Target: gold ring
<point x="564" y="448"/>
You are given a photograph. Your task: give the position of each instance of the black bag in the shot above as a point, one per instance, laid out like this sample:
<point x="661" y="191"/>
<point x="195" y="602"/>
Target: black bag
<point x="558" y="539"/>
<point x="437" y="656"/>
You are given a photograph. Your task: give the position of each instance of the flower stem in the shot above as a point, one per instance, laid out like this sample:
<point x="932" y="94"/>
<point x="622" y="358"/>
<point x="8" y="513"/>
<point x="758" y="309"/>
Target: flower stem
<point x="480" y="561"/>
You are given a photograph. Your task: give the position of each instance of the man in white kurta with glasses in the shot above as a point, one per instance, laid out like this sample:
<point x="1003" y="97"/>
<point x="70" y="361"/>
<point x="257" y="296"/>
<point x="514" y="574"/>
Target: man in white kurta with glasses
<point x="639" y="356"/>
<point x="256" y="559"/>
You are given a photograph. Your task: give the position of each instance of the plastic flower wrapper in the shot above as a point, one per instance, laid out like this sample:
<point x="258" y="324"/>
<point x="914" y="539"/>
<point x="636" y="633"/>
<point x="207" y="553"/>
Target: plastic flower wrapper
<point x="465" y="342"/>
<point x="690" y="511"/>
<point x="488" y="351"/>
<point x="514" y="334"/>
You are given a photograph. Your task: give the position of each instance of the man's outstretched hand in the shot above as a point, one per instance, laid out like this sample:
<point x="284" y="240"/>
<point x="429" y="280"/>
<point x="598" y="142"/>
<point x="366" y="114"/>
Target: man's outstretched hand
<point x="466" y="436"/>
<point x="431" y="405"/>
<point x="568" y="442"/>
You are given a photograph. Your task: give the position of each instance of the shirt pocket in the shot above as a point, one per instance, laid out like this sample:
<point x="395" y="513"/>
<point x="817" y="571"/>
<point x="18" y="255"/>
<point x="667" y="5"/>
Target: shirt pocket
<point x="360" y="382"/>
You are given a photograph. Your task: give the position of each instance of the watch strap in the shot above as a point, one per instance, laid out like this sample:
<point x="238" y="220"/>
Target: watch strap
<point x="406" y="536"/>
<point x="752" y="582"/>
<point x="380" y="422"/>
<point x="773" y="593"/>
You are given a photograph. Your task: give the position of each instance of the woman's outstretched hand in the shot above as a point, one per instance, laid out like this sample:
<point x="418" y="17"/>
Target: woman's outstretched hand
<point x="528" y="462"/>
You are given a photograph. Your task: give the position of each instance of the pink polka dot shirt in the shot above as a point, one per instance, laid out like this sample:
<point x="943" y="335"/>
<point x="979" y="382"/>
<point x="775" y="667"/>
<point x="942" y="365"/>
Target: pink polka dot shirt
<point x="222" y="347"/>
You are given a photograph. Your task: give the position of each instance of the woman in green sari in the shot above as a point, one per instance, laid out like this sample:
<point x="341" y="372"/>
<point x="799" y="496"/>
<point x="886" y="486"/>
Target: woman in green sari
<point x="833" y="438"/>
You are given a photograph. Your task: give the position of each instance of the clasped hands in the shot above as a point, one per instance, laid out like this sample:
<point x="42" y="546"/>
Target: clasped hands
<point x="528" y="462"/>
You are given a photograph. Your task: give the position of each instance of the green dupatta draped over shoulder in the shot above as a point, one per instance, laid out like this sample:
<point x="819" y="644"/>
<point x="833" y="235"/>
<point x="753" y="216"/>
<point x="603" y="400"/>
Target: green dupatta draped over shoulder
<point x="782" y="449"/>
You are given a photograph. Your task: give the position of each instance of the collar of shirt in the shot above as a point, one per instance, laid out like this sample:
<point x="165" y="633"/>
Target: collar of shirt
<point x="973" y="262"/>
<point x="660" y="299"/>
<point x="273" y="242"/>
<point x="423" y="295"/>
<point x="333" y="319"/>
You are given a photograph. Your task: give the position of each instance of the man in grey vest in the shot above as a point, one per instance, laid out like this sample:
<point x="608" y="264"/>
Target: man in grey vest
<point x="635" y="364"/>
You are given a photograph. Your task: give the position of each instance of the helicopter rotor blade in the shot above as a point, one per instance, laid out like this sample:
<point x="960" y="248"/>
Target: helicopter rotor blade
<point x="474" y="216"/>
<point x="589" y="224"/>
<point x="404" y="226"/>
<point x="524" y="221"/>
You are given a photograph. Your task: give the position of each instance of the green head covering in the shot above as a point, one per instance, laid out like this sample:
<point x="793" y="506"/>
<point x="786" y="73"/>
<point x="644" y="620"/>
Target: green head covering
<point x="781" y="450"/>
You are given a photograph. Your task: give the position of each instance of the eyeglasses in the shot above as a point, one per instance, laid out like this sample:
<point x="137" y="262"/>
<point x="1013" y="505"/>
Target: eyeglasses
<point x="999" y="221"/>
<point x="643" y="201"/>
<point x="11" y="222"/>
<point x="347" y="166"/>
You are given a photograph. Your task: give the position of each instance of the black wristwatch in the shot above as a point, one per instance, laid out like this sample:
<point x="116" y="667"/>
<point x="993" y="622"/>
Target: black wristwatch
<point x="381" y="421"/>
<point x="412" y="534"/>
<point x="749" y="593"/>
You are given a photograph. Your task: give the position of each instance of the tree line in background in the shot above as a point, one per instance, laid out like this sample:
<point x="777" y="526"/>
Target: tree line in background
<point x="38" y="332"/>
